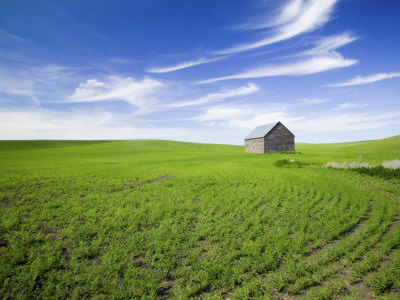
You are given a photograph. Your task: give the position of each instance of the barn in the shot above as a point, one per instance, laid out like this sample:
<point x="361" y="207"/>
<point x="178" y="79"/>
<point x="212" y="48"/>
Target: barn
<point x="268" y="138"/>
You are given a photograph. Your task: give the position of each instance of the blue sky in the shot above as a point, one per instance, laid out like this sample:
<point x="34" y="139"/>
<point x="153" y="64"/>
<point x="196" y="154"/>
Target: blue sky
<point x="201" y="71"/>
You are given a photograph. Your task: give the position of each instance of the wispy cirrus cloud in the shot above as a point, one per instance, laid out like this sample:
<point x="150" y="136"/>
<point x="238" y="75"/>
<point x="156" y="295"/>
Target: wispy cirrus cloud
<point x="325" y="46"/>
<point x="330" y="43"/>
<point x="348" y="122"/>
<point x="295" y="18"/>
<point x="120" y="60"/>
<point x="291" y="19"/>
<point x="347" y="105"/>
<point x="39" y="123"/>
<point x="245" y="117"/>
<point x="9" y="37"/>
<point x="312" y="100"/>
<point x="219" y="96"/>
<point x="288" y="12"/>
<point x="303" y="67"/>
<point x="34" y="80"/>
<point x="365" y="80"/>
<point x="140" y="93"/>
<point x="148" y="95"/>
<point x="184" y="65"/>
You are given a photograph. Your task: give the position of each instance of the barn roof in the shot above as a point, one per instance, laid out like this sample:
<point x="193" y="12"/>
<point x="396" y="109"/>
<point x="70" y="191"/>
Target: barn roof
<point x="261" y="131"/>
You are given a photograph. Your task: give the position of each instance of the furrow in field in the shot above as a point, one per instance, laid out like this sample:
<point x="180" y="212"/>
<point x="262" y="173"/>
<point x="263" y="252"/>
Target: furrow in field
<point x="379" y="253"/>
<point x="348" y="279"/>
<point x="352" y="230"/>
<point x="312" y="270"/>
<point x="138" y="184"/>
<point x="167" y="286"/>
<point x="318" y="278"/>
<point x="386" y="278"/>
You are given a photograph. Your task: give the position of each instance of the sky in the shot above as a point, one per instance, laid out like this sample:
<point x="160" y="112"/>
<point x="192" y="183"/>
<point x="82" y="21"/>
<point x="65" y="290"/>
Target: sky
<point x="199" y="71"/>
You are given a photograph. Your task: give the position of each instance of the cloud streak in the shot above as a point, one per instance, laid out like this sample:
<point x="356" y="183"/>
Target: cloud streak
<point x="330" y="43"/>
<point x="348" y="122"/>
<point x="8" y="37"/>
<point x="244" y="118"/>
<point x="138" y="93"/>
<point x="147" y="95"/>
<point x="184" y="65"/>
<point x="347" y="105"/>
<point x="120" y="60"/>
<point x="220" y="96"/>
<point x="312" y="100"/>
<point x="35" y="81"/>
<point x="86" y="125"/>
<point x="358" y="80"/>
<point x="296" y="17"/>
<point x="304" y="67"/>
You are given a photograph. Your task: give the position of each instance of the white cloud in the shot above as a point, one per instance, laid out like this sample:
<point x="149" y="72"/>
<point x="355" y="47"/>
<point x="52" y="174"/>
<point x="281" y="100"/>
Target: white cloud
<point x="303" y="67"/>
<point x="326" y="46"/>
<point x="243" y="117"/>
<point x="289" y="12"/>
<point x="139" y="93"/>
<point x="184" y="65"/>
<point x="119" y="60"/>
<point x="260" y="118"/>
<point x="367" y="79"/>
<point x="35" y="80"/>
<point x="89" y="125"/>
<point x="348" y="105"/>
<point x="220" y="124"/>
<point x="148" y="95"/>
<point x="330" y="43"/>
<point x="296" y="17"/>
<point x="18" y="89"/>
<point x="48" y="124"/>
<point x="8" y="37"/>
<point x="312" y="100"/>
<point x="35" y="100"/>
<point x="347" y="122"/>
<point x="224" y="113"/>
<point x="223" y="94"/>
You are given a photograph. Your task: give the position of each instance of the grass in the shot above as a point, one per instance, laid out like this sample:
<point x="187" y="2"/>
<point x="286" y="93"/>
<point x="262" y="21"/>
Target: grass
<point x="380" y="171"/>
<point x="289" y="163"/>
<point x="162" y="219"/>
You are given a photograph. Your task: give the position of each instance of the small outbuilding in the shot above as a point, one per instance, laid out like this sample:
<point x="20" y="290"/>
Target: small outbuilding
<point x="268" y="138"/>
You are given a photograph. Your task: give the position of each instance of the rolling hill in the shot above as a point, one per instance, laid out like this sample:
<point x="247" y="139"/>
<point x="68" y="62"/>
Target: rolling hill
<point x="162" y="219"/>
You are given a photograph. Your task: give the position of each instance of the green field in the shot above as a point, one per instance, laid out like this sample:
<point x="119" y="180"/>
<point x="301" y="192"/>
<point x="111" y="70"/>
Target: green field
<point x="162" y="219"/>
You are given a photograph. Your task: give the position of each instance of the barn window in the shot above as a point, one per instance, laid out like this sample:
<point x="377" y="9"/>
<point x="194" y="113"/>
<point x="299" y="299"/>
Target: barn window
<point x="279" y="127"/>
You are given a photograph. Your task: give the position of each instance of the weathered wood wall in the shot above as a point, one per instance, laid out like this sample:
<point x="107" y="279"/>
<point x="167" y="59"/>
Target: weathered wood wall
<point x="254" y="145"/>
<point x="279" y="140"/>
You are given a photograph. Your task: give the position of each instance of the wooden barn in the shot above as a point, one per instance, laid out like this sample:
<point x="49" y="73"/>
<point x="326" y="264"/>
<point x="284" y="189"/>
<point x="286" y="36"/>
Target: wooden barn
<point x="268" y="138"/>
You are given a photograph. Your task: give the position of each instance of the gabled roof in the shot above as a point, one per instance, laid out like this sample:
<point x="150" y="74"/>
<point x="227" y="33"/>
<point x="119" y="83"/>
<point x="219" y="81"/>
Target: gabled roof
<point x="261" y="131"/>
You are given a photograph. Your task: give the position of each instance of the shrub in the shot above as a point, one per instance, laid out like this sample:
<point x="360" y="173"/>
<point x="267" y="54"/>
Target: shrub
<point x="289" y="163"/>
<point x="379" y="171"/>
<point x="292" y="152"/>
